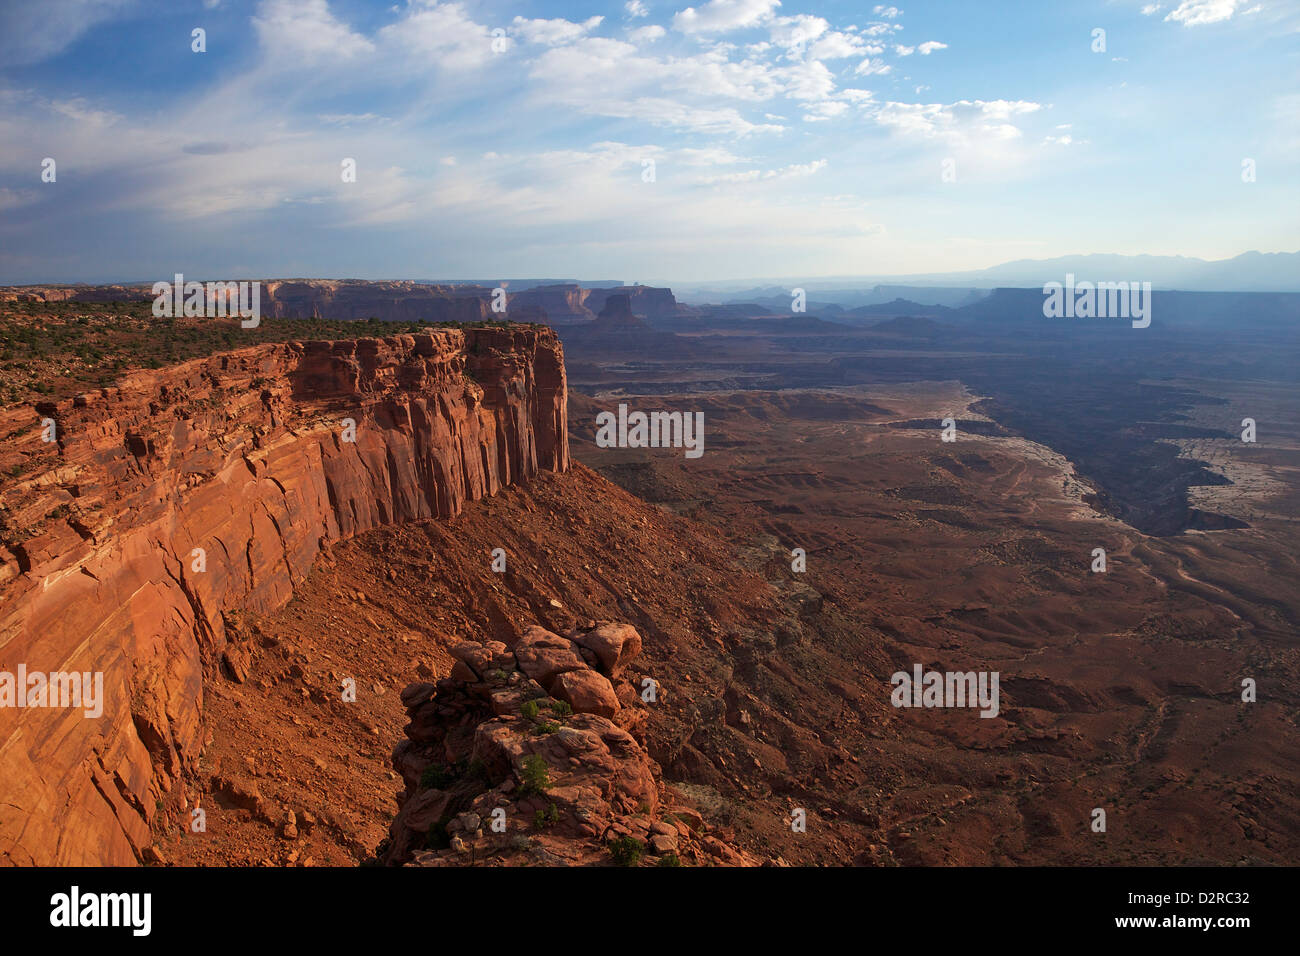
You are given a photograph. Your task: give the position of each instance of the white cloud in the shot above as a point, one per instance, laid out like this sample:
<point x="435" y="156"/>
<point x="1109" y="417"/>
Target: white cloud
<point x="1191" y="13"/>
<point x="553" y="32"/>
<point x="635" y="8"/>
<point x="870" y="67"/>
<point x="1152" y="8"/>
<point x="347" y="119"/>
<point x="929" y="46"/>
<point x="441" y="35"/>
<point x="837" y="46"/>
<point x="794" y="170"/>
<point x="306" y="30"/>
<point x="963" y="123"/>
<point x="748" y="176"/>
<point x="904" y="50"/>
<point x="805" y="169"/>
<point x="809" y="81"/>
<point x="826" y="110"/>
<point x="648" y="34"/>
<point x="660" y="111"/>
<point x="1004" y="109"/>
<point x="31" y="32"/>
<point x="717" y="16"/>
<point x="79" y="110"/>
<point x="889" y="13"/>
<point x="798" y="30"/>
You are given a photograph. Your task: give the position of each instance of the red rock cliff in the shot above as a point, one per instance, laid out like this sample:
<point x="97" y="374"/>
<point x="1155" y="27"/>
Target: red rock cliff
<point x="245" y="456"/>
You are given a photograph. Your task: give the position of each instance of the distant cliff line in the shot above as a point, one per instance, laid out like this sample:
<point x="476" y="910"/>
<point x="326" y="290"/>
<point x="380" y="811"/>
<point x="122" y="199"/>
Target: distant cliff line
<point x="397" y="300"/>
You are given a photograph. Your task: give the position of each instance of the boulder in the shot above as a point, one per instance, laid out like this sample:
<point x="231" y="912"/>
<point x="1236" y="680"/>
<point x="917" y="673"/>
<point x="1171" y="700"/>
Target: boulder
<point x="544" y="656"/>
<point x="615" y="645"/>
<point x="587" y="693"/>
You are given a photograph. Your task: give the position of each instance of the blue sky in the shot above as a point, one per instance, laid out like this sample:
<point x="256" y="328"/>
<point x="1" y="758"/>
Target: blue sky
<point x="497" y="139"/>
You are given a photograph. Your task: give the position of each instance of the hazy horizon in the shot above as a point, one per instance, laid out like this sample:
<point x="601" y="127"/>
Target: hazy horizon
<point x="937" y="278"/>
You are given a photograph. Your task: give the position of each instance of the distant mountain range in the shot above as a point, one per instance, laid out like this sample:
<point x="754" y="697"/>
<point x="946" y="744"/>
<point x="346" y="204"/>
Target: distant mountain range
<point x="1248" y="272"/>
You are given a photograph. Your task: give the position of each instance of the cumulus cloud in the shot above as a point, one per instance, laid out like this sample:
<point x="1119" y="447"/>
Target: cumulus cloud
<point x="553" y="32"/>
<point x="1191" y="13"/>
<point x="809" y="81"/>
<point x="718" y="16"/>
<point x="837" y="46"/>
<point x="607" y="78"/>
<point x="798" y="30"/>
<point x="442" y="35"/>
<point x="648" y="34"/>
<point x="306" y="30"/>
<point x="961" y="123"/>
<point x="635" y="8"/>
<point x="929" y="46"/>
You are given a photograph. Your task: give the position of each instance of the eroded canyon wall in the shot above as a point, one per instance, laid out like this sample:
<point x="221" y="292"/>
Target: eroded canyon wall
<point x="211" y="486"/>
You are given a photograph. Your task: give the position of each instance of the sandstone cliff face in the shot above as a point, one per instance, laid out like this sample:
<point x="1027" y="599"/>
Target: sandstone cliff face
<point x="245" y="456"/>
<point x="653" y="303"/>
<point x="391" y="301"/>
<point x="562" y="304"/>
<point x="572" y="304"/>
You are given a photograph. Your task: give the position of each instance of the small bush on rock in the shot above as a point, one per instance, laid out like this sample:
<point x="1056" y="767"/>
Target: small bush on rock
<point x="627" y="851"/>
<point x="535" y="776"/>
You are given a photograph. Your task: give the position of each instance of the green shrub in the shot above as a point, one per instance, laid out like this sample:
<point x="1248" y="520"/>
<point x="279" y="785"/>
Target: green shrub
<point x="438" y="776"/>
<point x="535" y="776"/>
<point x="546" y="818"/>
<point x="669" y="859"/>
<point x="627" y="851"/>
<point x="529" y="709"/>
<point x="561" y="708"/>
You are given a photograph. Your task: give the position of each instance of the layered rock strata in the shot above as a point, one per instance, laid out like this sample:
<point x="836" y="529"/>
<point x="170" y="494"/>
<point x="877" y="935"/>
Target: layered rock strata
<point x="187" y="492"/>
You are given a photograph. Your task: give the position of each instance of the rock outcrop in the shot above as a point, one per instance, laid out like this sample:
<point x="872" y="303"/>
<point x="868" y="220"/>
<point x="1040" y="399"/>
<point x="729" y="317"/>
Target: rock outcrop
<point x="616" y="316"/>
<point x="184" y="493"/>
<point x="650" y="301"/>
<point x="572" y="304"/>
<point x="618" y="332"/>
<point x="530" y="755"/>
